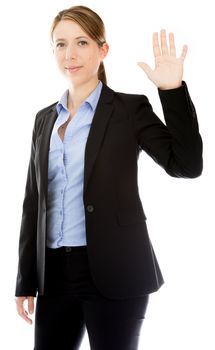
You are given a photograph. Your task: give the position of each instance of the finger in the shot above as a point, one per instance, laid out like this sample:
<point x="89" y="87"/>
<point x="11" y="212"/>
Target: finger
<point x="25" y="317"/>
<point x="156" y="48"/>
<point x="164" y="47"/>
<point x="172" y="44"/>
<point x="31" y="305"/>
<point x="184" y="52"/>
<point x="145" y="67"/>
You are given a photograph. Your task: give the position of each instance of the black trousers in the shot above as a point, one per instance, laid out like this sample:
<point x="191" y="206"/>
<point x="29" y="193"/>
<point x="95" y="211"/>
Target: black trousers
<point x="72" y="303"/>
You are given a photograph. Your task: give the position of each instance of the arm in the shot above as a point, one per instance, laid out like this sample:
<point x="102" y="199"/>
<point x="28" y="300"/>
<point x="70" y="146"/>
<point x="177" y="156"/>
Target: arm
<point x="26" y="283"/>
<point x="177" y="146"/>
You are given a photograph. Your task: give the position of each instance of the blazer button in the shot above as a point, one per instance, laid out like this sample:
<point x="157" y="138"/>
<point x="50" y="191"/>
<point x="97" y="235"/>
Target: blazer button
<point x="90" y="208"/>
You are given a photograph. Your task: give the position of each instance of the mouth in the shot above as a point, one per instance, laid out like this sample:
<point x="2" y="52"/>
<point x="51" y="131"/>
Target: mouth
<point x="73" y="68"/>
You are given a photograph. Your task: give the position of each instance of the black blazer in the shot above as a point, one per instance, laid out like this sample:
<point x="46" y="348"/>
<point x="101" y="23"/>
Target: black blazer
<point x="121" y="257"/>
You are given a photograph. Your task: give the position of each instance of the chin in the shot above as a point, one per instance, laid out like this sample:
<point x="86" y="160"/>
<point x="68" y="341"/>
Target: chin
<point x="78" y="81"/>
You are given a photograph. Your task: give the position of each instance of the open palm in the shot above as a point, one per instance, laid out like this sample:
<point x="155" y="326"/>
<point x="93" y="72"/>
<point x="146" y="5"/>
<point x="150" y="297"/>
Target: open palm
<point x="168" y="70"/>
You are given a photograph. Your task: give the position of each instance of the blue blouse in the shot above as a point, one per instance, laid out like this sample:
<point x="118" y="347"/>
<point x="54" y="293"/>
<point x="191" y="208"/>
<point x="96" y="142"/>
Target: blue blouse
<point x="66" y="215"/>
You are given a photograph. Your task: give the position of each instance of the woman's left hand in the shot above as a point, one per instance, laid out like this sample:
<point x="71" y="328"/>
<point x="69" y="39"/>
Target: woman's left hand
<point x="168" y="70"/>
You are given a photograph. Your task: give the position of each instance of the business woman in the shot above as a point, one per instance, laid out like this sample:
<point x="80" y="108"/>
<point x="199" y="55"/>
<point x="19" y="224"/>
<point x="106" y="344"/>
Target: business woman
<point x="84" y="248"/>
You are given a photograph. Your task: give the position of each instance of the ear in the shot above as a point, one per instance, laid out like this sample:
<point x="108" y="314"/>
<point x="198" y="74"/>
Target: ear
<point x="104" y="50"/>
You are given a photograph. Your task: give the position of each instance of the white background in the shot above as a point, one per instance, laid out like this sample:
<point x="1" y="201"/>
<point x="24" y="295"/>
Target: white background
<point x="180" y="211"/>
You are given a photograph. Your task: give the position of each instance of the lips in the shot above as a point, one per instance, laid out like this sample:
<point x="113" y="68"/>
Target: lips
<point x="73" y="68"/>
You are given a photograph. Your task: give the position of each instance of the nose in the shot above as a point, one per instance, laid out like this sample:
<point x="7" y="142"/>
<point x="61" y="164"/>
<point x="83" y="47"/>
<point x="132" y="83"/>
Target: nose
<point x="70" y="52"/>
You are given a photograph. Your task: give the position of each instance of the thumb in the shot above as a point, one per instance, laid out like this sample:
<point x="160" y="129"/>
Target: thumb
<point x="31" y="305"/>
<point x="145" y="67"/>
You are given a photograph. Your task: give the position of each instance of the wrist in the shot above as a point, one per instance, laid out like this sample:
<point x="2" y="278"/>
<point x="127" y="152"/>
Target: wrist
<point x="170" y="87"/>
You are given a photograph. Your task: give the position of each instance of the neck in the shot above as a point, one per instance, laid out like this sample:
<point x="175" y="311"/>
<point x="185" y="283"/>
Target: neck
<point x="78" y="94"/>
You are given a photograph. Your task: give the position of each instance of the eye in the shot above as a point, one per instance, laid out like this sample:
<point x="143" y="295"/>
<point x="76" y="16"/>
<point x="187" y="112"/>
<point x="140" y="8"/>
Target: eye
<point x="59" y="45"/>
<point x="82" y="43"/>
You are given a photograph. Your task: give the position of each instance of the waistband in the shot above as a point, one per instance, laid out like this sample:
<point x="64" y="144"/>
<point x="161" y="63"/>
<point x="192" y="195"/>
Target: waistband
<point x="66" y="250"/>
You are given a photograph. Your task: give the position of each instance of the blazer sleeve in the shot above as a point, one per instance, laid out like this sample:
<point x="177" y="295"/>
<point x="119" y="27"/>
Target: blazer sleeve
<point x="176" y="146"/>
<point x="26" y="283"/>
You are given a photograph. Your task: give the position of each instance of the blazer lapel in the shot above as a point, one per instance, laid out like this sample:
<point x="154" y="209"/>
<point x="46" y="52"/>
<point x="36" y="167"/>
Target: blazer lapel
<point x="50" y="119"/>
<point x="97" y="131"/>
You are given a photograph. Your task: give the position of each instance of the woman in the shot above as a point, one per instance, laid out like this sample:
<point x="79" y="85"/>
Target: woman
<point x="84" y="246"/>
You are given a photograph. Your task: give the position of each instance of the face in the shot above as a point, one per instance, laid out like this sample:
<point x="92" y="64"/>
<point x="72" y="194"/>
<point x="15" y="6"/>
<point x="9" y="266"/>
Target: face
<point x="77" y="55"/>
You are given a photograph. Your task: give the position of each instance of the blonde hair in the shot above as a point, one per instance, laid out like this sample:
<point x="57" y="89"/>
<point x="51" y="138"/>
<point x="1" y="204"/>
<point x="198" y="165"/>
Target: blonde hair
<point x="90" y="22"/>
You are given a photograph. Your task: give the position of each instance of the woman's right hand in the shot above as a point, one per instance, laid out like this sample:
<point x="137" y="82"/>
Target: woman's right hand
<point x="21" y="307"/>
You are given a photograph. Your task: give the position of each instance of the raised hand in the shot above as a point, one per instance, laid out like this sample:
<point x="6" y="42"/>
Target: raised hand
<point x="168" y="70"/>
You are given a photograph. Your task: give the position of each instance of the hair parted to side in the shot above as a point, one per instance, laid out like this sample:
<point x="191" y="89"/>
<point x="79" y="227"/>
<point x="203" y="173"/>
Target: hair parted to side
<point x="90" y="22"/>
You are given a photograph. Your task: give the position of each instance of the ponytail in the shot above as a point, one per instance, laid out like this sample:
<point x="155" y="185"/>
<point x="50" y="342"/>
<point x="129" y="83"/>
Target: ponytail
<point x="102" y="74"/>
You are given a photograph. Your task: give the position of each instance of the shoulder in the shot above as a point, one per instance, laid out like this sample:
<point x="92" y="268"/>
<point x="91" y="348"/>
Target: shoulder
<point x="129" y="100"/>
<point x="44" y="113"/>
<point x="133" y="99"/>
<point x="46" y="110"/>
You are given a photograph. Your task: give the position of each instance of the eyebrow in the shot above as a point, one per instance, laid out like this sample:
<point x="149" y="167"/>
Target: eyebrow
<point x="77" y="38"/>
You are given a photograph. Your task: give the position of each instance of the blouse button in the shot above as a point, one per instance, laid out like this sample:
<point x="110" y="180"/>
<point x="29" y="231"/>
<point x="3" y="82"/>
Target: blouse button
<point x="90" y="208"/>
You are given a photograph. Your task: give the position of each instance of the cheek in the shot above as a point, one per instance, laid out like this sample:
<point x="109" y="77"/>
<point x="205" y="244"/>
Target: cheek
<point x="59" y="57"/>
<point x="94" y="61"/>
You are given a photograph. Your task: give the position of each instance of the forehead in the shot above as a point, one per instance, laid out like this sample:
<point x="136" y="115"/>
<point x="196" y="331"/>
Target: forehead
<point x="68" y="29"/>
